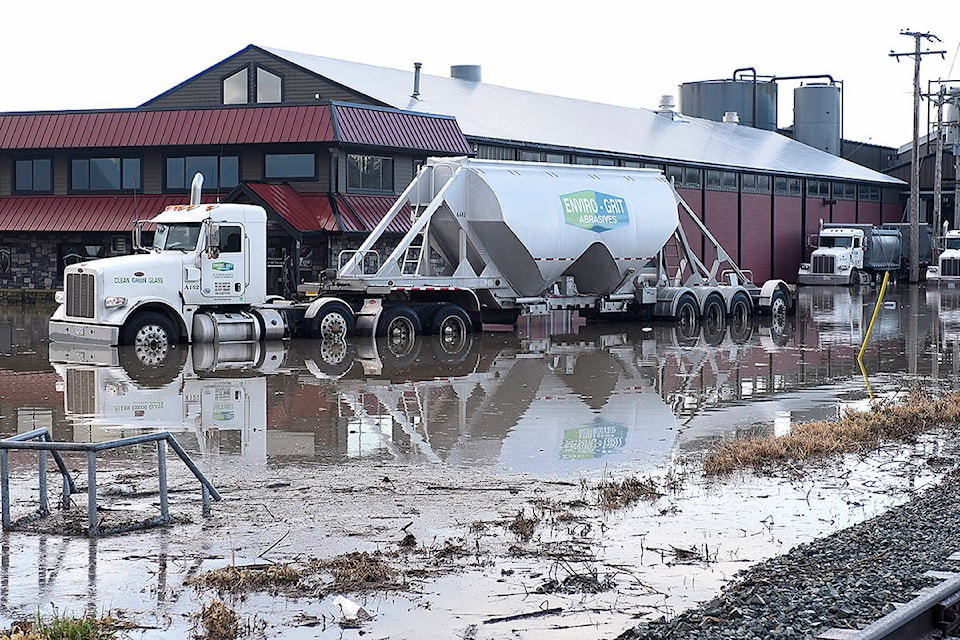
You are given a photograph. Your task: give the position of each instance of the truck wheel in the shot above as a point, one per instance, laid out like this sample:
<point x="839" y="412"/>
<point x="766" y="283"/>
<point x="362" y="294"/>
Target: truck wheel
<point x="778" y="305"/>
<point x="714" y="320"/>
<point x="740" y="317"/>
<point x="687" y="316"/>
<point x="151" y="335"/>
<point x="452" y="325"/>
<point x="399" y="323"/>
<point x="334" y="321"/>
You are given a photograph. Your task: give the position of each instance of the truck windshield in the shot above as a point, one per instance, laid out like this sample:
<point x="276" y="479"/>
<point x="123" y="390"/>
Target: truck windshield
<point x="836" y="242"/>
<point x="952" y="243"/>
<point x="177" y="236"/>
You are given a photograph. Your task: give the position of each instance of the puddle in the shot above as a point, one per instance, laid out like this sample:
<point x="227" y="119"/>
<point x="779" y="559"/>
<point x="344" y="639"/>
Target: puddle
<point x="322" y="450"/>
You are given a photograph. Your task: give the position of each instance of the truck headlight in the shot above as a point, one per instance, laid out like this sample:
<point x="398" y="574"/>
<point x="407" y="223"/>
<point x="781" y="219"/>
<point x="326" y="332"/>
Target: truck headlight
<point x="59" y="297"/>
<point x="844" y="267"/>
<point x="114" y="301"/>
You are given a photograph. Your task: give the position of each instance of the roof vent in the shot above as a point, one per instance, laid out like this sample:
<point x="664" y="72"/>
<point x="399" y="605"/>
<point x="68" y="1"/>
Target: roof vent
<point x="416" y="80"/>
<point x="470" y="72"/>
<point x="731" y="117"/>
<point x="667" y="103"/>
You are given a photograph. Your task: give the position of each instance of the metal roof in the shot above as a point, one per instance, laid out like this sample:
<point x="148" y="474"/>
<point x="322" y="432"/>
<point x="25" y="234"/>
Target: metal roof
<point x="355" y="124"/>
<point x="486" y="111"/>
<point x="304" y="212"/>
<point x="80" y="213"/>
<point x="361" y="213"/>
<point x="372" y="126"/>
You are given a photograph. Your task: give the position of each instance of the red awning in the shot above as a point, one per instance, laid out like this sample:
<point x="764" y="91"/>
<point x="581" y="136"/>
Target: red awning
<point x="304" y="212"/>
<point x="81" y="213"/>
<point x="361" y="213"/>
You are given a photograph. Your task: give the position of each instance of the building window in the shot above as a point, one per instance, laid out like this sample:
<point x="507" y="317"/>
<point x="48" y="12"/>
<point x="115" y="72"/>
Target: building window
<point x="630" y="164"/>
<point x="692" y="178"/>
<point x="72" y="253"/>
<point x="675" y="175"/>
<point x="818" y="188"/>
<point x="218" y="172"/>
<point x="583" y="160"/>
<point x="869" y="193"/>
<point x="105" y="174"/>
<point x="235" y="88"/>
<point x="754" y="183"/>
<point x="785" y="186"/>
<point x="269" y="86"/>
<point x="556" y="158"/>
<point x="530" y="156"/>
<point x="844" y="191"/>
<point x="33" y="176"/>
<point x="369" y="173"/>
<point x="290" y="166"/>
<point x="607" y="162"/>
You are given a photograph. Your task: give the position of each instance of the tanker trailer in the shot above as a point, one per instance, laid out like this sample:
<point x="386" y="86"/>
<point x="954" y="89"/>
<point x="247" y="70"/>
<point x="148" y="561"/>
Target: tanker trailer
<point x="490" y="240"/>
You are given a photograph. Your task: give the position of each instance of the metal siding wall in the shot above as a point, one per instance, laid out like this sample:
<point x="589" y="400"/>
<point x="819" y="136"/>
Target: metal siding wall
<point x="870" y="213"/>
<point x="721" y="220"/>
<point x="755" y="235"/>
<point x="788" y="236"/>
<point x="889" y="212"/>
<point x="845" y="211"/>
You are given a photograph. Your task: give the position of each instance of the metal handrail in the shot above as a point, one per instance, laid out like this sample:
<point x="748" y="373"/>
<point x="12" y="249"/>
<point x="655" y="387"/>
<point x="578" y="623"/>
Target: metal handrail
<point x="41" y="441"/>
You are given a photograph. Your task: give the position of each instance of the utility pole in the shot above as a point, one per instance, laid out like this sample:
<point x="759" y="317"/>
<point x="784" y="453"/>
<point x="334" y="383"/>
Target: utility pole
<point x="916" y="54"/>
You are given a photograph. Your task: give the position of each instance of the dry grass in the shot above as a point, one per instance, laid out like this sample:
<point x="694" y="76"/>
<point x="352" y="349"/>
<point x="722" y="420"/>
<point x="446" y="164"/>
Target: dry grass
<point x="852" y="433"/>
<point x="233" y="579"/>
<point x="218" y="621"/>
<point x="617" y="494"/>
<point x="63" y="626"/>
<point x="523" y="527"/>
<point x="360" y="571"/>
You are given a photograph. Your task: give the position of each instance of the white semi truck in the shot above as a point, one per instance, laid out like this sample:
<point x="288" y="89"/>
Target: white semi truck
<point x="489" y="240"/>
<point x="851" y="254"/>
<point x="946" y="271"/>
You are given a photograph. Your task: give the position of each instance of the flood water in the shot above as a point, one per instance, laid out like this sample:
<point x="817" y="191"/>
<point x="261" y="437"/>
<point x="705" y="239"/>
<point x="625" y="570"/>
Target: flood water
<point x="556" y="397"/>
<point x="558" y="400"/>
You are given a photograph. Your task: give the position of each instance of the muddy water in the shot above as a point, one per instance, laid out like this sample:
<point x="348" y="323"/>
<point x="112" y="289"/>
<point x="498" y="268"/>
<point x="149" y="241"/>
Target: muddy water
<point x="533" y="412"/>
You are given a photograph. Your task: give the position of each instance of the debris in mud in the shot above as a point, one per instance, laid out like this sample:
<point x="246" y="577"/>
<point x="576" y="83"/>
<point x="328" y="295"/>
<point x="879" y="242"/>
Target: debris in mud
<point x="523" y="527"/>
<point x="854" y="432"/>
<point x="351" y="613"/>
<point x="589" y="582"/>
<point x="217" y="621"/>
<point x="360" y="571"/>
<point x="679" y="555"/>
<point x="614" y="494"/>
<point x="234" y="579"/>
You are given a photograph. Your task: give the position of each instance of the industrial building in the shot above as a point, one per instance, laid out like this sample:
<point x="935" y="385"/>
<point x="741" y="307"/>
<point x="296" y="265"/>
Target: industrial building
<point x="325" y="145"/>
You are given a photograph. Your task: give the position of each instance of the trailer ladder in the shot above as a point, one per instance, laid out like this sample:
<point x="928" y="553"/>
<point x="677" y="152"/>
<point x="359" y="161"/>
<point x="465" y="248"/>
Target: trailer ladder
<point x="41" y="441"/>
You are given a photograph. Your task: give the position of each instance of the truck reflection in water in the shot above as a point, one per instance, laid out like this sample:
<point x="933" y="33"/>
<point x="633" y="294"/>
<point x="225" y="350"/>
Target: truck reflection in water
<point x="537" y="400"/>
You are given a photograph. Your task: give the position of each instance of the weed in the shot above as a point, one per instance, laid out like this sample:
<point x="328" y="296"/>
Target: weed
<point x="63" y="626"/>
<point x="523" y="527"/>
<point x="614" y="494"/>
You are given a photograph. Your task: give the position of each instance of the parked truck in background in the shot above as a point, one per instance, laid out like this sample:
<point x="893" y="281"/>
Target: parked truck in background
<point x="945" y="271"/>
<point x="851" y="254"/>
<point x="488" y="241"/>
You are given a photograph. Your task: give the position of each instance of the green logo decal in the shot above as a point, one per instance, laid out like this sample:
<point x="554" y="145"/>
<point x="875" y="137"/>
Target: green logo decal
<point x="594" y="211"/>
<point x="595" y="440"/>
<point x="222" y="266"/>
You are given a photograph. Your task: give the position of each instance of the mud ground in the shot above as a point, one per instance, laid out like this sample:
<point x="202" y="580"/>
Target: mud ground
<point x="429" y="551"/>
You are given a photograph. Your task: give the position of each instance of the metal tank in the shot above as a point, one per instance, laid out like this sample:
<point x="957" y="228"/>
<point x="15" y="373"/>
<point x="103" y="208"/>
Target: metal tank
<point x="540" y="222"/>
<point x="711" y="99"/>
<point x="816" y="116"/>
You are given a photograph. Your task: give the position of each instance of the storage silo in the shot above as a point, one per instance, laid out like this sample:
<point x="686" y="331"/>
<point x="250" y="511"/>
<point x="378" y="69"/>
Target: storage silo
<point x="711" y="99"/>
<point x="816" y="116"/>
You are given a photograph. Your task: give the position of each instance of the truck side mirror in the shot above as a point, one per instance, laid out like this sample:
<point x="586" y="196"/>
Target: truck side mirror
<point x="213" y="240"/>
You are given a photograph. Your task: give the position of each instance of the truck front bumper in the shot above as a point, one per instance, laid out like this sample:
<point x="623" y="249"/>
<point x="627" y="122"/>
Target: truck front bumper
<point x="823" y="278"/>
<point x="67" y="331"/>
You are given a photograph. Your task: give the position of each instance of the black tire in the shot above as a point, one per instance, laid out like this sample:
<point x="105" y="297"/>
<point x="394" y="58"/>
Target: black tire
<point x="714" y="320"/>
<point x="779" y="305"/>
<point x="334" y="357"/>
<point x="452" y="326"/>
<point x="151" y="335"/>
<point x="740" y="311"/>
<point x="400" y="325"/>
<point x="157" y="371"/>
<point x="334" y="321"/>
<point x="687" y="316"/>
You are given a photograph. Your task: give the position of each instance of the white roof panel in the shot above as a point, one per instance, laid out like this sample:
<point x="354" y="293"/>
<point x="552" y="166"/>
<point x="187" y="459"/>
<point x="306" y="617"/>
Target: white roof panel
<point x="500" y="113"/>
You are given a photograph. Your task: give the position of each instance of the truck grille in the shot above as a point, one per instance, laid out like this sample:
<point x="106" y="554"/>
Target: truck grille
<point x="81" y="391"/>
<point x="950" y="267"/>
<point x="80" y="295"/>
<point x="823" y="264"/>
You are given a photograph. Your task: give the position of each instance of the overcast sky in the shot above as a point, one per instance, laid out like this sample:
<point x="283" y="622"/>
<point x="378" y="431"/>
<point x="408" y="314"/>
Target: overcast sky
<point x="112" y="54"/>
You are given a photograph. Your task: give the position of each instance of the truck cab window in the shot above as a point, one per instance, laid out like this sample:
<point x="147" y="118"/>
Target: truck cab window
<point x="230" y="239"/>
<point x="177" y="236"/>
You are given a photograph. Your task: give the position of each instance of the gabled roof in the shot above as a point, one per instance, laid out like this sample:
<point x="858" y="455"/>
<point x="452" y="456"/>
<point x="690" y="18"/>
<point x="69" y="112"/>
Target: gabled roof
<point x="115" y="213"/>
<point x="303" y="212"/>
<point x="489" y="112"/>
<point x="324" y="122"/>
<point x="361" y="213"/>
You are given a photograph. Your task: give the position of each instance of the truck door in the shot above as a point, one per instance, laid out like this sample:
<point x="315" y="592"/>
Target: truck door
<point x="225" y="277"/>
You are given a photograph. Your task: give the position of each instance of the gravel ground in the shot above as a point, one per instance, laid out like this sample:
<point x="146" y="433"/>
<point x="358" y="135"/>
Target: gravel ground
<point x="845" y="580"/>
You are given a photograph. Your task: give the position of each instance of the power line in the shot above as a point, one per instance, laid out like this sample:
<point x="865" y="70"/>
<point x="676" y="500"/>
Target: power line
<point x="916" y="54"/>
